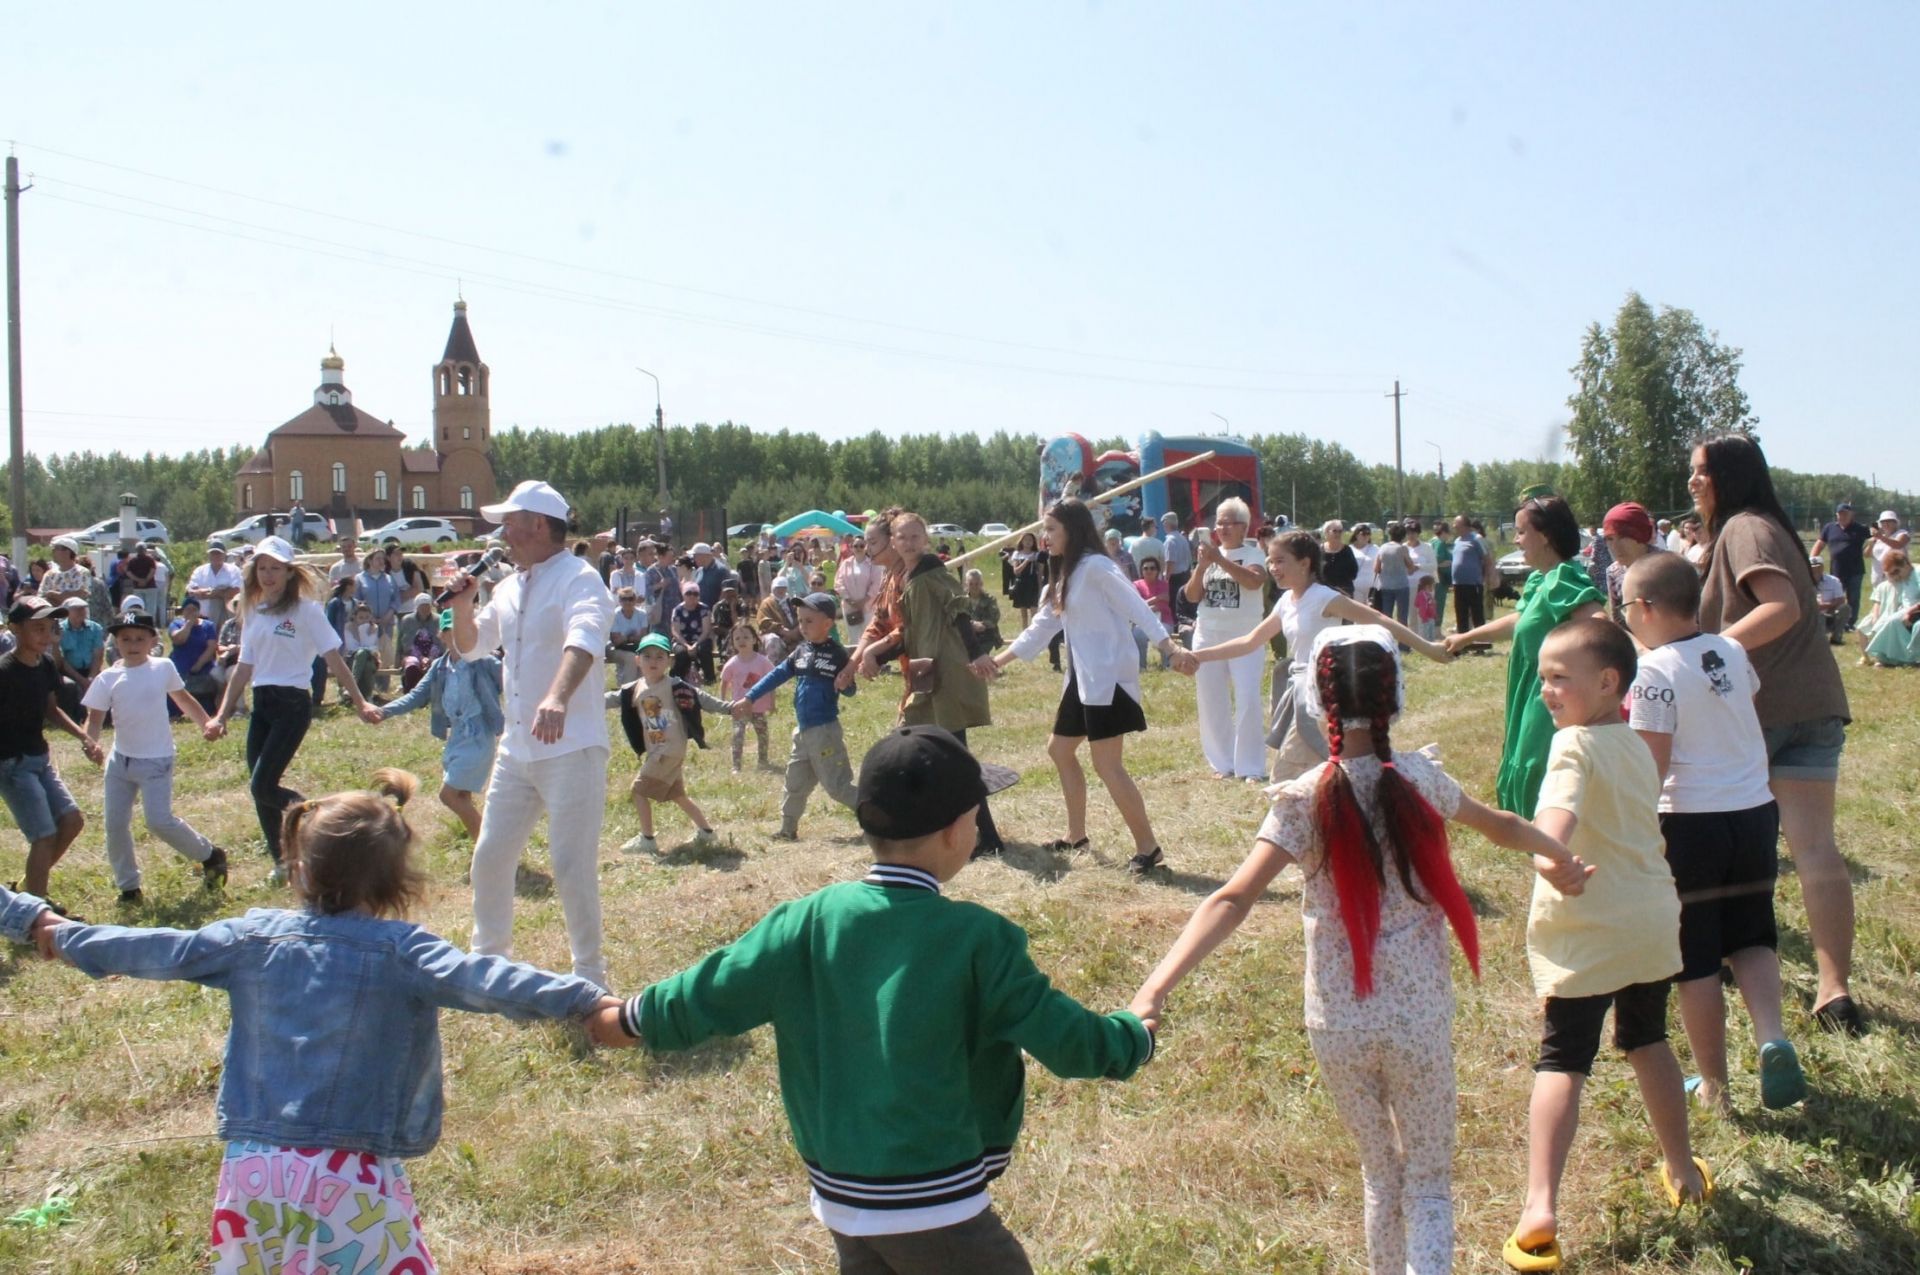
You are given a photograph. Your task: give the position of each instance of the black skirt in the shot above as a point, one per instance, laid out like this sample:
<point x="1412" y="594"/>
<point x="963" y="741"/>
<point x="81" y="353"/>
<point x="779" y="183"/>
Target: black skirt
<point x="1075" y="720"/>
<point x="1025" y="590"/>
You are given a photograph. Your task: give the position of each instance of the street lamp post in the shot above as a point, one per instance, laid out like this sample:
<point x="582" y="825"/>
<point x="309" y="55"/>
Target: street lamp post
<point x="659" y="435"/>
<point x="1223" y="420"/>
<point x="1443" y="475"/>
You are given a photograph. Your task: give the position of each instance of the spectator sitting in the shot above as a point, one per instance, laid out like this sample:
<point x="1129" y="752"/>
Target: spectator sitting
<point x="1831" y="596"/>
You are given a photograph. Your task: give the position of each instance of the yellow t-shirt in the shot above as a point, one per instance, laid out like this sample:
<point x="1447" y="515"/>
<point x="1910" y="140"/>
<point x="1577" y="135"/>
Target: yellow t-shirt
<point x="1625" y="927"/>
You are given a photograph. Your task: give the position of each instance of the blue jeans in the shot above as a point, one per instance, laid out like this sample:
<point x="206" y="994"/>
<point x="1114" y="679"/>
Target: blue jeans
<point x="1394" y="602"/>
<point x="34" y="793"/>
<point x="281" y="715"/>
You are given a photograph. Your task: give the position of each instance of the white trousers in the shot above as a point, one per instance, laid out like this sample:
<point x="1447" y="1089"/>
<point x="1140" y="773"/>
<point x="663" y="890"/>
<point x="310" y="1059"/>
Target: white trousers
<point x="1233" y="727"/>
<point x="152" y="779"/>
<point x="571" y="790"/>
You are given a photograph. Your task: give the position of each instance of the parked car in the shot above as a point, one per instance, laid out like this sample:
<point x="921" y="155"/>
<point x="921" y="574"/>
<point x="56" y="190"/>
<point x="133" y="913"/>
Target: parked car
<point x="746" y="530"/>
<point x="413" y="531"/>
<point x="105" y="534"/>
<point x="996" y="529"/>
<point x="947" y="529"/>
<point x="1513" y="570"/>
<point x="252" y="530"/>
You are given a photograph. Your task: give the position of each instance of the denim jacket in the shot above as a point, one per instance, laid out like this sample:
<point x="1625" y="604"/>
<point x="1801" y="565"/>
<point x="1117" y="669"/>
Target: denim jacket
<point x="481" y="678"/>
<point x="335" y="1039"/>
<point x="18" y="911"/>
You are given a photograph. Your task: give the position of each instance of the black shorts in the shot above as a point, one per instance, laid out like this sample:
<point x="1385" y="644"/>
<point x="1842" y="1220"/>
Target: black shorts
<point x="1724" y="863"/>
<point x="1097" y="721"/>
<point x="1571" y="1040"/>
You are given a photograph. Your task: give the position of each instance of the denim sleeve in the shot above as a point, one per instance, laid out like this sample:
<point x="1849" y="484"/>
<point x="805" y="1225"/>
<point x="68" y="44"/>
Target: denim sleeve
<point x="421" y="693"/>
<point x="203" y="956"/>
<point x="441" y="974"/>
<point x="18" y="912"/>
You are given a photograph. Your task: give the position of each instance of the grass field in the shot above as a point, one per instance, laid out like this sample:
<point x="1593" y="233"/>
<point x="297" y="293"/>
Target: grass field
<point x="1224" y="1155"/>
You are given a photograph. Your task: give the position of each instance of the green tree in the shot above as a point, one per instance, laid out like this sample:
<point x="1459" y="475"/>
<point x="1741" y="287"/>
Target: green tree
<point x="1644" y="389"/>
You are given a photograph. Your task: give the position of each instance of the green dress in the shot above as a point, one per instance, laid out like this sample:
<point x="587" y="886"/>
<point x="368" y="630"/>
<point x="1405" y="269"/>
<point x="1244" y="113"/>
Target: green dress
<point x="1547" y="599"/>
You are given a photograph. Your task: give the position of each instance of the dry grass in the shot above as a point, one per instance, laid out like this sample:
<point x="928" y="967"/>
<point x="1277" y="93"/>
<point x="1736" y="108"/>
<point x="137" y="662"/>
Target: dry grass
<point x="1225" y="1155"/>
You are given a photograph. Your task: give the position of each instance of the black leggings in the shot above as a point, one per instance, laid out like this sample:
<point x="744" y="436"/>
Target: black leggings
<point x="281" y="715"/>
<point x="986" y="833"/>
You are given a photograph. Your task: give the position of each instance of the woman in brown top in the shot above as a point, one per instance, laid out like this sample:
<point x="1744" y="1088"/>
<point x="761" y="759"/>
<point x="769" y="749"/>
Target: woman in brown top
<point x="1759" y="592"/>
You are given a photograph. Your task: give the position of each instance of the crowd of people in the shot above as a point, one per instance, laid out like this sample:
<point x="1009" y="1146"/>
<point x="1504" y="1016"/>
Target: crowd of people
<point x="1673" y="708"/>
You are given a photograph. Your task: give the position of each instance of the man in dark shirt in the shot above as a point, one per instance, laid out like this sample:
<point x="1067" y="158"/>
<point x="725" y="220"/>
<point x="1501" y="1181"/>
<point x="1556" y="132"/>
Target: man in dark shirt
<point x="1846" y="540"/>
<point x="31" y="787"/>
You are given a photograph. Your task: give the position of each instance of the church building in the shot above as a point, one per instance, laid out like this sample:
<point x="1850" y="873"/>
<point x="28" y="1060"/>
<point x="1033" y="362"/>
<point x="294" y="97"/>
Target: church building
<point x="339" y="460"/>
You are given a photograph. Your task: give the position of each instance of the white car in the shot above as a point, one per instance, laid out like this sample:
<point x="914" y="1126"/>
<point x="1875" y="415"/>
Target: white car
<point x="105" y="534"/>
<point x="252" y="530"/>
<point x="946" y="529"/>
<point x="413" y="531"/>
<point x="996" y="529"/>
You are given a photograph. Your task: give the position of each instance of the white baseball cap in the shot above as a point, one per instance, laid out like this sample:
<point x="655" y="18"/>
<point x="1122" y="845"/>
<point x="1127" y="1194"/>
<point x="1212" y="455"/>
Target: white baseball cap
<point x="531" y="496"/>
<point x="68" y="543"/>
<point x="1889" y="516"/>
<point x="702" y="547"/>
<point x="276" y="548"/>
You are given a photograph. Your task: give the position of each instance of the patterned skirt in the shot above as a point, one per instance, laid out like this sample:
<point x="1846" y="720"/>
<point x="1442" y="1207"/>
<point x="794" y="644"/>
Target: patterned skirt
<point x="312" y="1211"/>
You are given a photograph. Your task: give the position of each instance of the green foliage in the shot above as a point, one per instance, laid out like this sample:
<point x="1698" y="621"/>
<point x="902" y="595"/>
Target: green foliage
<point x="1644" y="390"/>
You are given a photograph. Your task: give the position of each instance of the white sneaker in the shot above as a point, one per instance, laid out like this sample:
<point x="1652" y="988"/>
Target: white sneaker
<point x="705" y="839"/>
<point x="278" y="876"/>
<point x="642" y="844"/>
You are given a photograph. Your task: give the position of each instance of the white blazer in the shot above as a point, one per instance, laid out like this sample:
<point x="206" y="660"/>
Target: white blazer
<point x="1103" y="609"/>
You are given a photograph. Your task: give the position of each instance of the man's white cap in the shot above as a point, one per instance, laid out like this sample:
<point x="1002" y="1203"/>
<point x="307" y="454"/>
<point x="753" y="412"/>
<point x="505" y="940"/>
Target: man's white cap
<point x="133" y="603"/>
<point x="531" y="496"/>
<point x="1889" y="516"/>
<point x="276" y="548"/>
<point x="81" y="603"/>
<point x="702" y="547"/>
<point x="780" y="584"/>
<point x="68" y="543"/>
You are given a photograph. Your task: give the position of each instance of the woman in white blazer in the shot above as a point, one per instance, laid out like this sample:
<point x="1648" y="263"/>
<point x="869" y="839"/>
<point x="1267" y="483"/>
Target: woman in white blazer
<point x="1091" y="599"/>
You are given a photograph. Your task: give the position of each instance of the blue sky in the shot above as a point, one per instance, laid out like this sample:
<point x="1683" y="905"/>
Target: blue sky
<point x="1103" y="218"/>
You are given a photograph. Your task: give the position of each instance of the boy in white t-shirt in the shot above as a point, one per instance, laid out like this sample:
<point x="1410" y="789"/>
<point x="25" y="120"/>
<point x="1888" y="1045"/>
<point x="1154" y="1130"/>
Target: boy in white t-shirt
<point x="1692" y="701"/>
<point x="136" y="691"/>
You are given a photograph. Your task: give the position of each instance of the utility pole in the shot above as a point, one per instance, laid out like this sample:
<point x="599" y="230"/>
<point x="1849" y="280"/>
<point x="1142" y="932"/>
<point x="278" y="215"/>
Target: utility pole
<point x="659" y="435"/>
<point x="1443" y="475"/>
<point x="1399" y="471"/>
<point x="16" y="427"/>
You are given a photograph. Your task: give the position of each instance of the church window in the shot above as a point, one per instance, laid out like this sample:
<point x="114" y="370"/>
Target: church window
<point x="379" y="484"/>
<point x="419" y="498"/>
<point x="246" y="496"/>
<point x="296" y="485"/>
<point x="466" y="431"/>
<point x="466" y="497"/>
<point x="339" y="479"/>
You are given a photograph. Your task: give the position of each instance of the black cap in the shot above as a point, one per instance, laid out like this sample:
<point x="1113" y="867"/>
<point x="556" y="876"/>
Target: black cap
<point x="31" y="608"/>
<point x="133" y="620"/>
<point x="1845" y="506"/>
<point x="823" y="603"/>
<point x="918" y="779"/>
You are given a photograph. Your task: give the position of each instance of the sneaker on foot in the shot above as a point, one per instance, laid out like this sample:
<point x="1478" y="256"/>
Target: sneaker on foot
<point x="214" y="871"/>
<point x="128" y="898"/>
<point x="784" y="835"/>
<point x="642" y="844"/>
<point x="705" y="839"/>
<point x="279" y="874"/>
<point x="1782" y="1083"/>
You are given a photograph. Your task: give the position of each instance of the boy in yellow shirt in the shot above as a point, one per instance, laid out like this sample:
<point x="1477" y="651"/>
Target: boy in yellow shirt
<point x="1615" y="945"/>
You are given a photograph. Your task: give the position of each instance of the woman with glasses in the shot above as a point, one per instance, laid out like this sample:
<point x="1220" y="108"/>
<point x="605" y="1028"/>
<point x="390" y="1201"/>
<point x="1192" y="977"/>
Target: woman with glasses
<point x="1228" y="590"/>
<point x="1558" y="590"/>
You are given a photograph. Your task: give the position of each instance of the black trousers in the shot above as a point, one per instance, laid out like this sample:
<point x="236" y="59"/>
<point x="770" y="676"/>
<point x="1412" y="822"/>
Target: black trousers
<point x="1469" y="606"/>
<point x="702" y="652"/>
<point x="986" y="835"/>
<point x="281" y="715"/>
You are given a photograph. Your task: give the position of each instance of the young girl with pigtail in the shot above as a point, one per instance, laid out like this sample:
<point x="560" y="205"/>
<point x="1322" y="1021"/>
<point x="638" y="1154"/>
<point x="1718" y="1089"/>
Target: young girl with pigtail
<point x="1368" y="828"/>
<point x="332" y="1071"/>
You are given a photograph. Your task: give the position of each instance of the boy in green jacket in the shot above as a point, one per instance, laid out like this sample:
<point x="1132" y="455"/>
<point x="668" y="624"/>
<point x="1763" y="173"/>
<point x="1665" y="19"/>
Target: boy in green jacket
<point x="899" y="1016"/>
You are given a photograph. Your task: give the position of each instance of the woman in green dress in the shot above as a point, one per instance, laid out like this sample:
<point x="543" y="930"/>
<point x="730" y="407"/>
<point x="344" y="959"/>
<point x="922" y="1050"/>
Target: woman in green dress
<point x="1548" y="535"/>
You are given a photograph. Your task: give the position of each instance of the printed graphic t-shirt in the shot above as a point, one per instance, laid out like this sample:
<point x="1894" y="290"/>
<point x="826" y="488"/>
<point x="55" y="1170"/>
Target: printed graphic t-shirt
<point x="1700" y="691"/>
<point x="1228" y="609"/>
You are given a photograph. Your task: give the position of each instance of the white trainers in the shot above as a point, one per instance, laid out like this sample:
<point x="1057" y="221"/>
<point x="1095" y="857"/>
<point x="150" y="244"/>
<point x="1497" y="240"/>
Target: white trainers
<point x="642" y="844"/>
<point x="278" y="876"/>
<point x="705" y="839"/>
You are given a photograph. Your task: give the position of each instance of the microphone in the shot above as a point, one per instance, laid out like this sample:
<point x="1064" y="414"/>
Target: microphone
<point x="488" y="560"/>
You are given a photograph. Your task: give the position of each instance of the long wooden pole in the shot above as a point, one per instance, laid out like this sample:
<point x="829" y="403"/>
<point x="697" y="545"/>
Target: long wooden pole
<point x="1014" y="536"/>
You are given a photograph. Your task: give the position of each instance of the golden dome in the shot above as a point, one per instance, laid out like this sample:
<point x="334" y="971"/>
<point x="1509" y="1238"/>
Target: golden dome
<point x="333" y="362"/>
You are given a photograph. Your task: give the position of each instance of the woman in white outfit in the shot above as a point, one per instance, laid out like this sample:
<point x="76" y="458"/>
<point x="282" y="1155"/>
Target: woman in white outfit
<point x="1306" y="607"/>
<point x="1090" y="598"/>
<point x="1226" y="590"/>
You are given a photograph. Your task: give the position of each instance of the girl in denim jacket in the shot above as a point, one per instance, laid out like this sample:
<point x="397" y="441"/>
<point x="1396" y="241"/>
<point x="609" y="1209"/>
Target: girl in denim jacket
<point x="332" y="1071"/>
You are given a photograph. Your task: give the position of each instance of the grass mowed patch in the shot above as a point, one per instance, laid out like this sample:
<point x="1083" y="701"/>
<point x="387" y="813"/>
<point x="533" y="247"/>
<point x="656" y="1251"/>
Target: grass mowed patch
<point x="1224" y="1155"/>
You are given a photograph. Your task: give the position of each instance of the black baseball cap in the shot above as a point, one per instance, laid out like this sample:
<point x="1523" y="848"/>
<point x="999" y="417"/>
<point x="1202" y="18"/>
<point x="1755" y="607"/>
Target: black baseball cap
<point x="133" y="620"/>
<point x="823" y="603"/>
<point x="1845" y="506"/>
<point x="31" y="608"/>
<point x="918" y="779"/>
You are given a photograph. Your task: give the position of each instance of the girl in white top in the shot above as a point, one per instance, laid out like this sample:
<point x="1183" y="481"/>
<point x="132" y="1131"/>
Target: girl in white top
<point x="1093" y="602"/>
<point x="1225" y="588"/>
<point x="1368" y="829"/>
<point x="1305" y="608"/>
<point x="283" y="630"/>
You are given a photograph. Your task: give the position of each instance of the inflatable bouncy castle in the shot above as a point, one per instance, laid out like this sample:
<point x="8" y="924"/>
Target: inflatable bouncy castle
<point x="1069" y="466"/>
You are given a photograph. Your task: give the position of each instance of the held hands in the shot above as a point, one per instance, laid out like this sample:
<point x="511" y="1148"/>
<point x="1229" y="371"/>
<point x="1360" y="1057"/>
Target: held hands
<point x="985" y="668"/>
<point x="91" y="747"/>
<point x="1456" y="643"/>
<point x="550" y="720"/>
<point x="373" y="715"/>
<point x="603" y="1025"/>
<point x="741" y="708"/>
<point x="1185" y="662"/>
<point x="1569" y="875"/>
<point x="869" y="667"/>
<point x="1438" y="652"/>
<point x="843" y="679"/>
<point x="42" y="934"/>
<point x="1148" y="1008"/>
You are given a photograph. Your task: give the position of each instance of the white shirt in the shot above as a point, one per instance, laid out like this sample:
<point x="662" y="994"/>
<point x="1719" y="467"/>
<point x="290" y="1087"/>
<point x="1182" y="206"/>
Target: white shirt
<point x="281" y="647"/>
<point x="1422" y="563"/>
<point x="1367" y="578"/>
<point x="1103" y="609"/>
<point x="857" y="580"/>
<point x="342" y="569"/>
<point x="1301" y="620"/>
<point x="362" y="637"/>
<point x="535" y="616"/>
<point x="1228" y="609"/>
<point x="1700" y="691"/>
<point x="1881" y="549"/>
<point x="1831" y="590"/>
<point x="136" y="695"/>
<point x="1676" y="541"/>
<point x="204" y="577"/>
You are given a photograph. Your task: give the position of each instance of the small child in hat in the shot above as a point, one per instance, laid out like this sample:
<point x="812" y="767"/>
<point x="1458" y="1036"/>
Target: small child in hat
<point x="819" y="755"/>
<point x="660" y="714"/>
<point x="136" y="691"/>
<point x="901" y="1016"/>
<point x="41" y="806"/>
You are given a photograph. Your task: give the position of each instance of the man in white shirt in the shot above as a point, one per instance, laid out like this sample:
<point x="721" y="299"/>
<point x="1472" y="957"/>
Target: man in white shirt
<point x="213" y="582"/>
<point x="550" y="621"/>
<point x="1831" y="597"/>
<point x="1674" y="538"/>
<point x="626" y="575"/>
<point x="349" y="564"/>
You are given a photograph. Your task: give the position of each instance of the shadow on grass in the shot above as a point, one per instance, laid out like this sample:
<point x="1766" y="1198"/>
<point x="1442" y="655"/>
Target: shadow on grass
<point x="718" y="1056"/>
<point x="1484" y="904"/>
<point x="532" y="883"/>
<point x="719" y="858"/>
<point x="187" y="911"/>
<point x="1036" y="861"/>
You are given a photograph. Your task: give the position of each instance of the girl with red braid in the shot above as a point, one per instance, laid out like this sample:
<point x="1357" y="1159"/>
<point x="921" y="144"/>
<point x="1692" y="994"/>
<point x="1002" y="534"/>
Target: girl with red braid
<point x="1368" y="829"/>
